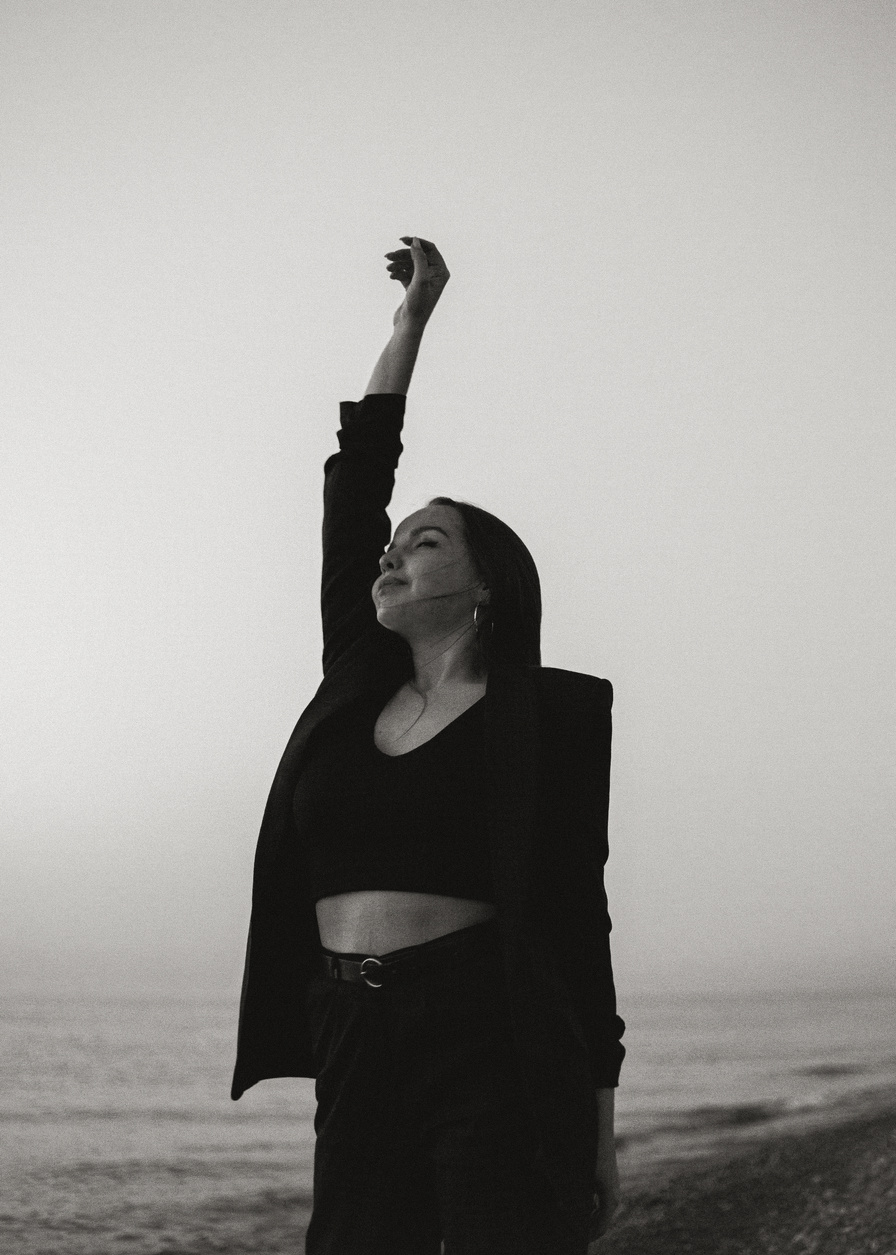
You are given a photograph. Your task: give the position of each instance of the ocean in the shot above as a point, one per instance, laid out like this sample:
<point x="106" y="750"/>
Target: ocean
<point x="119" y="1137"/>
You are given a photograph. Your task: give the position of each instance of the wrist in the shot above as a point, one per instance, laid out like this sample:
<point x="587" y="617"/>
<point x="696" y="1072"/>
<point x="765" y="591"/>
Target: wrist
<point x="408" y="324"/>
<point x="606" y="1101"/>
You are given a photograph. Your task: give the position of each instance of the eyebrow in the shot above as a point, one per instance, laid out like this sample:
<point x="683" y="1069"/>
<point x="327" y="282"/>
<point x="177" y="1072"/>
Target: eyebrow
<point x="429" y="527"/>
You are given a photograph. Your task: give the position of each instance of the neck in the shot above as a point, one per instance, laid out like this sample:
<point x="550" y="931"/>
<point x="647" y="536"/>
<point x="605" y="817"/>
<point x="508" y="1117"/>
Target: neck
<point x="447" y="661"/>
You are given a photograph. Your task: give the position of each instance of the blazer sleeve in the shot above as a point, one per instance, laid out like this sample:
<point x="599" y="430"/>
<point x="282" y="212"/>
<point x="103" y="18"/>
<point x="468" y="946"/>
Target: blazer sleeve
<point x="577" y="921"/>
<point x="358" y="484"/>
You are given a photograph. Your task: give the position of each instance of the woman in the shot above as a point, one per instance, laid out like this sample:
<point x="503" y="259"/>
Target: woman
<point x="429" y="935"/>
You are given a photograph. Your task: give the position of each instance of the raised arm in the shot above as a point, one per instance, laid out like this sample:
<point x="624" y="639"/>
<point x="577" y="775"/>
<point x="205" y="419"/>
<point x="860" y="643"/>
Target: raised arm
<point x="422" y="271"/>
<point x="358" y="480"/>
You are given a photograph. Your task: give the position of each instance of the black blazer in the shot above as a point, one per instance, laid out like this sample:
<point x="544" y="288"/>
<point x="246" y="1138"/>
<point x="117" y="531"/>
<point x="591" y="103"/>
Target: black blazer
<point x="547" y="737"/>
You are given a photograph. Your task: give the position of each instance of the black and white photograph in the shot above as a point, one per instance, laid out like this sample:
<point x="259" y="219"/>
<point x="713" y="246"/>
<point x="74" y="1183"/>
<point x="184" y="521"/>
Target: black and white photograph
<point x="448" y="614"/>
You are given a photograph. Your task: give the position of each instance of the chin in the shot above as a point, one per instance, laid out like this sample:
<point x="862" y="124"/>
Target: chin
<point x="389" y="617"/>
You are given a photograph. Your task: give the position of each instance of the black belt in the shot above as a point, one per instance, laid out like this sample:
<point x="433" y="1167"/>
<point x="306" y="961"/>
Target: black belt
<point x="378" y="970"/>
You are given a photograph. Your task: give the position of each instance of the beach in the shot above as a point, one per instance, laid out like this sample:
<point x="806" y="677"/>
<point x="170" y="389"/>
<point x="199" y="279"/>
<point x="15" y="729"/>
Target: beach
<point x="827" y="1190"/>
<point x="746" y="1125"/>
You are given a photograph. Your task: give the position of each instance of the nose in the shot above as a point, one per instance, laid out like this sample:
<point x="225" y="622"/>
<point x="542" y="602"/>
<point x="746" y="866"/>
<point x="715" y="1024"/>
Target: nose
<point x="388" y="562"/>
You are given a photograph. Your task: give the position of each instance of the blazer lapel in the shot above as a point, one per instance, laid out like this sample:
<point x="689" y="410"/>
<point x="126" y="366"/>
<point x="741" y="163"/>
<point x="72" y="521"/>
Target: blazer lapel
<point x="512" y="755"/>
<point x="377" y="664"/>
<point x="373" y="666"/>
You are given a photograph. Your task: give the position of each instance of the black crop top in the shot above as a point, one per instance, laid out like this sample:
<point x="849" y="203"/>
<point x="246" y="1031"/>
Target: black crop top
<point x="411" y="822"/>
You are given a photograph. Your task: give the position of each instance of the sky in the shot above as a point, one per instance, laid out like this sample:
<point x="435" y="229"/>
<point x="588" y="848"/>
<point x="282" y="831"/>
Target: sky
<point x="665" y="357"/>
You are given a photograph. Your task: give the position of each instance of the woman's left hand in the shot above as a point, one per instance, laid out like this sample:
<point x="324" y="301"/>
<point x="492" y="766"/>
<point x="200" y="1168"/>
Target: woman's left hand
<point x="421" y="270"/>
<point x="606" y="1193"/>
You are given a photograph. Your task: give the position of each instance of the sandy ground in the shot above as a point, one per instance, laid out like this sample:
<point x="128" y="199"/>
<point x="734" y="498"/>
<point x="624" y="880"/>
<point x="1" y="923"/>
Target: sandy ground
<point x="825" y="1190"/>
<point x="822" y="1191"/>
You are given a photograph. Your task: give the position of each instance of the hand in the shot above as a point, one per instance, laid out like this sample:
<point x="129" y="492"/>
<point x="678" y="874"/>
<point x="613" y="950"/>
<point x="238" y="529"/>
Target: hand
<point x="606" y="1195"/>
<point x="423" y="273"/>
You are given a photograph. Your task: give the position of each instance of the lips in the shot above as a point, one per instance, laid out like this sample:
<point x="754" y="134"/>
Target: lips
<point x="389" y="580"/>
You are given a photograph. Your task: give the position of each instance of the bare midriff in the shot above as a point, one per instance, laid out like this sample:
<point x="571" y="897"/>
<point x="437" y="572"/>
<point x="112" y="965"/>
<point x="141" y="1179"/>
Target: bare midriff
<point x="377" y="921"/>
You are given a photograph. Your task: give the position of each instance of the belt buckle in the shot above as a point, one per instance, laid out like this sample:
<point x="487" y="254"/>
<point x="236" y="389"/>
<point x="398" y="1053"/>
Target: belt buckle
<point x="364" y="976"/>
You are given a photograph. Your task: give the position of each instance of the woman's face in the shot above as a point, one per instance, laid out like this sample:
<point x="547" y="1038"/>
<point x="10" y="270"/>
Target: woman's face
<point x="429" y="580"/>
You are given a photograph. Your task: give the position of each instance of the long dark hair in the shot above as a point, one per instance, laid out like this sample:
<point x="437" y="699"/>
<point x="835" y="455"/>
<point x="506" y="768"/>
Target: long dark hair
<point x="510" y="624"/>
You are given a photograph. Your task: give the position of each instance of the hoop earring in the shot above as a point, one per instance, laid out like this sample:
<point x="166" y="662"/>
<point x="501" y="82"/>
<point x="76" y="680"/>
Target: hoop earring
<point x="476" y="624"/>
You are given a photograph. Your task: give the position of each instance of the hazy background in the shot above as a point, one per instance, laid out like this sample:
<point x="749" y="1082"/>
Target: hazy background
<point x="665" y="357"/>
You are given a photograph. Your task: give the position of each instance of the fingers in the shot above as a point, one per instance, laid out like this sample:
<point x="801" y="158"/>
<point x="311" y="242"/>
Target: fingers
<point x="401" y="262"/>
<point x="426" y="245"/>
<point x="401" y="266"/>
<point x="602" y="1216"/>
<point x="421" y="262"/>
<point x="432" y="254"/>
<point x="407" y="263"/>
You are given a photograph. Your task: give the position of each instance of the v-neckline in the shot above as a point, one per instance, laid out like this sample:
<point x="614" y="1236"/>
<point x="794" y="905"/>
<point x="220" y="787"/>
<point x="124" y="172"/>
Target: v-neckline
<point x="435" y="735"/>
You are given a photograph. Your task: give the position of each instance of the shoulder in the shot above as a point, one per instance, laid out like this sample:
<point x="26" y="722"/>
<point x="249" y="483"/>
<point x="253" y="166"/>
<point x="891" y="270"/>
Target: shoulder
<point x="574" y="725"/>
<point x="574" y="711"/>
<point x="574" y="687"/>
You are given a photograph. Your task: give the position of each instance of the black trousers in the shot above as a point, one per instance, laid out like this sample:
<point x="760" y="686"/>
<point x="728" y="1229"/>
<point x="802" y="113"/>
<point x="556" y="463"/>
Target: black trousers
<point x="423" y="1130"/>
